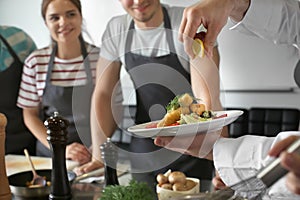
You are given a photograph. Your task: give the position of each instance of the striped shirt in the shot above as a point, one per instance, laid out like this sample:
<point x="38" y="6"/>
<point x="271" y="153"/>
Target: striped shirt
<point x="20" y="42"/>
<point x="65" y="73"/>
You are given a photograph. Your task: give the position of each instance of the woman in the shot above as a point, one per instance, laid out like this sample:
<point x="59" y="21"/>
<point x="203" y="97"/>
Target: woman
<point x="58" y="78"/>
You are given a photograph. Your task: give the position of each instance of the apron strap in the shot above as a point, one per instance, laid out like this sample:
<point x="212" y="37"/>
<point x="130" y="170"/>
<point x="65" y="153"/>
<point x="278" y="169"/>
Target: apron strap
<point x="10" y="49"/>
<point x="169" y="31"/>
<point x="86" y="62"/>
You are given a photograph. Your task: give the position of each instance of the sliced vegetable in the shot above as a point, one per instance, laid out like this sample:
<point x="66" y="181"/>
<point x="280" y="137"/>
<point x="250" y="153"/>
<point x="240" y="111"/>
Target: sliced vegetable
<point x="221" y="116"/>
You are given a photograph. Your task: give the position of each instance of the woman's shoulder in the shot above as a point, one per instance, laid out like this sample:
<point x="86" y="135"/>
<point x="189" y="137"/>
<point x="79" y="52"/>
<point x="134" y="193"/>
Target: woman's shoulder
<point x="39" y="54"/>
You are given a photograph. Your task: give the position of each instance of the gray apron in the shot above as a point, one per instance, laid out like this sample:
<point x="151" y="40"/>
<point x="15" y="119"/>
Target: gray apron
<point x="72" y="103"/>
<point x="18" y="136"/>
<point x="157" y="80"/>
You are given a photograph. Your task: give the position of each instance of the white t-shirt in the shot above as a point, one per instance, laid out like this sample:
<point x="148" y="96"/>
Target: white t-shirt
<point x="241" y="158"/>
<point x="150" y="42"/>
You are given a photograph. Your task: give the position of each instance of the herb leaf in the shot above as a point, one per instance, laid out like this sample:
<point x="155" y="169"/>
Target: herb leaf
<point x="173" y="105"/>
<point x="134" y="191"/>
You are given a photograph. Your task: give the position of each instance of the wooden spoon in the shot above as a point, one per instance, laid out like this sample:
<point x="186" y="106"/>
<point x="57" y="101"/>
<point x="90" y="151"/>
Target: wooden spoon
<point x="37" y="180"/>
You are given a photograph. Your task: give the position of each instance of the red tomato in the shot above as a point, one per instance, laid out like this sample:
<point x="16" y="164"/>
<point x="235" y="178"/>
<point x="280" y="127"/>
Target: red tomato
<point x="221" y="116"/>
<point x="152" y="125"/>
<point x="174" y="124"/>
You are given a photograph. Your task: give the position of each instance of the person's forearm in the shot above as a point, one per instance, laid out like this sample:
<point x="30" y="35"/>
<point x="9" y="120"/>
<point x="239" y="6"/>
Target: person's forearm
<point x="97" y="135"/>
<point x="239" y="10"/>
<point x="36" y="127"/>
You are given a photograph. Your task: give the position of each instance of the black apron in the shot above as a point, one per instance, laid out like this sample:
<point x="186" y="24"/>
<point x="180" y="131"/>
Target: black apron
<point x="72" y="103"/>
<point x="157" y="80"/>
<point x="18" y="136"/>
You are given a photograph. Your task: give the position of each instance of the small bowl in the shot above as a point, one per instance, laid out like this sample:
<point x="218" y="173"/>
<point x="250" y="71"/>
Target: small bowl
<point x="19" y="188"/>
<point x="165" y="194"/>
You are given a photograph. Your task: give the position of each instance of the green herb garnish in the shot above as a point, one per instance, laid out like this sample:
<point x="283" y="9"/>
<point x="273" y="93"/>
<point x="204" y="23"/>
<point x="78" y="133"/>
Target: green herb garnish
<point x="173" y="105"/>
<point x="134" y="191"/>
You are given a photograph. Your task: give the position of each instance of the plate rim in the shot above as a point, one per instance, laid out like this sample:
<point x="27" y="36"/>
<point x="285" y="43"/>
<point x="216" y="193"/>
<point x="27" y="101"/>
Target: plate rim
<point x="134" y="129"/>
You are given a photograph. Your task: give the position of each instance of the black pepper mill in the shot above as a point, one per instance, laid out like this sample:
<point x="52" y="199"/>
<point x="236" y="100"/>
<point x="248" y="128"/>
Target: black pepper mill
<point x="57" y="138"/>
<point x="109" y="155"/>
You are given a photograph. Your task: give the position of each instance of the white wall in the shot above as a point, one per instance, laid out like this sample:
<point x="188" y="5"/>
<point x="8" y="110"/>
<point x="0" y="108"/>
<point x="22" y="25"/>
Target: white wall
<point x="247" y="63"/>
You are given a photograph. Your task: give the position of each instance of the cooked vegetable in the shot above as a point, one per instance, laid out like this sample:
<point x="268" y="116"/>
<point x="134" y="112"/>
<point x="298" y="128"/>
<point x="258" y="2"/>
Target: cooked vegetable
<point x="134" y="191"/>
<point x="185" y="100"/>
<point x="170" y="118"/>
<point x="197" y="108"/>
<point x="184" y="109"/>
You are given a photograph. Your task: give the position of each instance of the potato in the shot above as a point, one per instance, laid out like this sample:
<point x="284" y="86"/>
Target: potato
<point x="179" y="187"/>
<point x="185" y="100"/>
<point x="189" y="184"/>
<point x="167" y="186"/>
<point x="161" y="179"/>
<point x="197" y="108"/>
<point x="177" y="177"/>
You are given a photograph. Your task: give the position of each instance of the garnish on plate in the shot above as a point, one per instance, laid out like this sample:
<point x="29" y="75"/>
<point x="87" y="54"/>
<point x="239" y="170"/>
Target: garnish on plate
<point x="184" y="109"/>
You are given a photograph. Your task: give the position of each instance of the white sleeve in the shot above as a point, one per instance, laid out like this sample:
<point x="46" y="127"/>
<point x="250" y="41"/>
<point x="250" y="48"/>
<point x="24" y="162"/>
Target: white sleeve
<point x="28" y="92"/>
<point x="275" y="20"/>
<point x="237" y="159"/>
<point x="114" y="37"/>
<point x="241" y="158"/>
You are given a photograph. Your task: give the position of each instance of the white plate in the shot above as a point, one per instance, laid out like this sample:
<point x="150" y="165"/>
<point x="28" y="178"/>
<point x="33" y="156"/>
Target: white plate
<point x="187" y="129"/>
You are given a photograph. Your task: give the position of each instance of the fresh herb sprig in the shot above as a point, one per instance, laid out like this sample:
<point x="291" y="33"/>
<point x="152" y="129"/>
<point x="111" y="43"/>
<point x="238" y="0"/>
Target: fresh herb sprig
<point x="134" y="191"/>
<point x="173" y="105"/>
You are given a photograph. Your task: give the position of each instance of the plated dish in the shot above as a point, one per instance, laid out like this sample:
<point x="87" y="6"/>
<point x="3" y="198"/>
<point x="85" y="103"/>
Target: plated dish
<point x="141" y="130"/>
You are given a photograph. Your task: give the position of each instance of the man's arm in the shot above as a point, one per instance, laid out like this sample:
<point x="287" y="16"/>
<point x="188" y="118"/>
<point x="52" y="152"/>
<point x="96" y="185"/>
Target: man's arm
<point x="103" y="121"/>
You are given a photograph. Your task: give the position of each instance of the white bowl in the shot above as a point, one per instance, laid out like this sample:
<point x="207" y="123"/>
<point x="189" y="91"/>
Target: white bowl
<point x="165" y="194"/>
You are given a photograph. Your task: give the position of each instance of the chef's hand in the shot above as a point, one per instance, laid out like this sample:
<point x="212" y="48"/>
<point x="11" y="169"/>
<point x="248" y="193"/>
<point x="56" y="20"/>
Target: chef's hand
<point x="218" y="183"/>
<point x="78" y="152"/>
<point x="90" y="166"/>
<point x="290" y="161"/>
<point x="199" y="145"/>
<point x="213" y="15"/>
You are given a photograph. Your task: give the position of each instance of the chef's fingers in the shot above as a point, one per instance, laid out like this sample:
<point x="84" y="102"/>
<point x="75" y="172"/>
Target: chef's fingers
<point x="292" y="183"/>
<point x="291" y="161"/>
<point x="218" y="183"/>
<point x="210" y="38"/>
<point x="181" y="28"/>
<point x="282" y="145"/>
<point x="185" y="145"/>
<point x="188" y="28"/>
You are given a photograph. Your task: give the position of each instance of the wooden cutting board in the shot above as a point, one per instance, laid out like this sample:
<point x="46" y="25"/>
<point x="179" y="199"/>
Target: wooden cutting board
<point x="18" y="163"/>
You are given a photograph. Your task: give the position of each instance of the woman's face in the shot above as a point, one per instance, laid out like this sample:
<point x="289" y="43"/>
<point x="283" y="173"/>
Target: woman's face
<point x="63" y="20"/>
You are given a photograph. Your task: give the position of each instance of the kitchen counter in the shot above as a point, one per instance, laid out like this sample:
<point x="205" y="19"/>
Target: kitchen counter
<point x="89" y="189"/>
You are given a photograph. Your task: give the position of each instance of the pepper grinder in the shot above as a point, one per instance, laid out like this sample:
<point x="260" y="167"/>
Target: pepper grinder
<point x="57" y="138"/>
<point x="109" y="155"/>
<point x="5" y="193"/>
